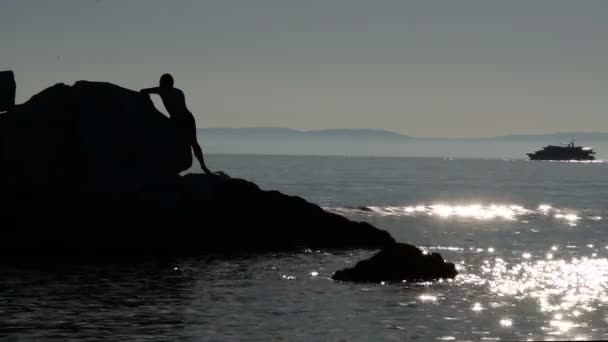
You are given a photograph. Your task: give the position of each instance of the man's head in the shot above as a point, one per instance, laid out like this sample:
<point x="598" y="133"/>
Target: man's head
<point x="166" y="81"/>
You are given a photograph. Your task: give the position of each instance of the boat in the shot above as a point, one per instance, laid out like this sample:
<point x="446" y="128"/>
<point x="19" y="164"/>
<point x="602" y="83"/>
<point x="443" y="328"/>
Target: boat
<point x="568" y="152"/>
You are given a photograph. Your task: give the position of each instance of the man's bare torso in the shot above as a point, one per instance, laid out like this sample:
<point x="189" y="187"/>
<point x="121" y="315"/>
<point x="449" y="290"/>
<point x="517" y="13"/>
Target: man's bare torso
<point x="175" y="103"/>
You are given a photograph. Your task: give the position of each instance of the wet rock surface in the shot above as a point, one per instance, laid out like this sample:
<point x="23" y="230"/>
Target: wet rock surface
<point x="398" y="262"/>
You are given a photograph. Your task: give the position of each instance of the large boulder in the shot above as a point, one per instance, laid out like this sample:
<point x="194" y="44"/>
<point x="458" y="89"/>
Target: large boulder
<point x="398" y="262"/>
<point x="94" y="168"/>
<point x="89" y="135"/>
<point x="182" y="216"/>
<point x="270" y="219"/>
<point x="8" y="88"/>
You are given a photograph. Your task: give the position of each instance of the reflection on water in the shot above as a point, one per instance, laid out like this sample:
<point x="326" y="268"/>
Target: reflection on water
<point x="498" y="294"/>
<point x="482" y="212"/>
<point x="506" y="322"/>
<point x="537" y="217"/>
<point x="564" y="289"/>
<point x="427" y="298"/>
<point x="525" y="273"/>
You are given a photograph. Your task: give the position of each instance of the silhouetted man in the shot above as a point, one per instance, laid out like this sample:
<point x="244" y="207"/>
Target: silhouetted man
<point x="175" y="103"/>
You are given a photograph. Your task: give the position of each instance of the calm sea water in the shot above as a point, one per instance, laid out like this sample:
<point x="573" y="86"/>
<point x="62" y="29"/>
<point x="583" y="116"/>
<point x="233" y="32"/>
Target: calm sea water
<point x="529" y="239"/>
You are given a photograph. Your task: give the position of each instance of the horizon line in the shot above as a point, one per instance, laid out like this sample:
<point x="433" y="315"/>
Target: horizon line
<point x="404" y="135"/>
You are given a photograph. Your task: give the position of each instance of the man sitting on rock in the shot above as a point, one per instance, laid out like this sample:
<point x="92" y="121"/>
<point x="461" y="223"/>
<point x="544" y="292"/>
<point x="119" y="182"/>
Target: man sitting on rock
<point x="175" y="103"/>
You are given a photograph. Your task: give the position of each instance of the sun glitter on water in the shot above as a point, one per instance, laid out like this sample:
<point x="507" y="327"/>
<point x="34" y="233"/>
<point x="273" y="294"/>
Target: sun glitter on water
<point x="563" y="289"/>
<point x="474" y="211"/>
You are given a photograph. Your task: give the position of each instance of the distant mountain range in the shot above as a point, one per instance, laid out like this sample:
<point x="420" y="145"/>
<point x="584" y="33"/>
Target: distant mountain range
<point x="282" y="133"/>
<point x="272" y="132"/>
<point x="364" y="142"/>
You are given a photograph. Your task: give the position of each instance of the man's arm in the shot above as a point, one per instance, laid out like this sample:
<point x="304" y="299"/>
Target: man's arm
<point x="148" y="91"/>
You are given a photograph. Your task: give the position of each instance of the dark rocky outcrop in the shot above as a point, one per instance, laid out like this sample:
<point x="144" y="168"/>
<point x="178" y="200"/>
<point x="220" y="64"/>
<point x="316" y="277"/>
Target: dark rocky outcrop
<point x="94" y="168"/>
<point x="398" y="262"/>
<point x="8" y="88"/>
<point x="89" y="135"/>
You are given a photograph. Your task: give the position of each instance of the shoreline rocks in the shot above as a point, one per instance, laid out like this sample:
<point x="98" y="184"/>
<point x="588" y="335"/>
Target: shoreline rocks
<point x="398" y="262"/>
<point x="93" y="169"/>
<point x="8" y="89"/>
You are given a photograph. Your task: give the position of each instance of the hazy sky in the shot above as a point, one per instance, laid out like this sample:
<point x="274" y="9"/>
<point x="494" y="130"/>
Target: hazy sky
<point x="425" y="68"/>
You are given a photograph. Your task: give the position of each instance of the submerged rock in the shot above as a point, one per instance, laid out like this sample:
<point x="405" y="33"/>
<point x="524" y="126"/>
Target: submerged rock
<point x="94" y="168"/>
<point x="398" y="262"/>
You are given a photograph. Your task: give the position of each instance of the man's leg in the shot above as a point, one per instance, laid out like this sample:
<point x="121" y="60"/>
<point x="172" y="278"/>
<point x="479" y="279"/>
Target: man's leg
<point x="198" y="153"/>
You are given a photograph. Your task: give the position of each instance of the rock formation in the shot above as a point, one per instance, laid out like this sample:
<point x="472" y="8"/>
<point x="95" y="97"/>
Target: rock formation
<point x="90" y="135"/>
<point x="7" y="90"/>
<point x="398" y="262"/>
<point x="94" y="169"/>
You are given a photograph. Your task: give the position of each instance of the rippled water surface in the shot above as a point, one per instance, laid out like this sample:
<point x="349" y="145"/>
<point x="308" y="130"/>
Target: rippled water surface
<point x="529" y="240"/>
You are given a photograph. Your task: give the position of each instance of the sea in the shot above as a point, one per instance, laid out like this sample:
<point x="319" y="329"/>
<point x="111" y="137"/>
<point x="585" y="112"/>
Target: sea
<point x="529" y="239"/>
